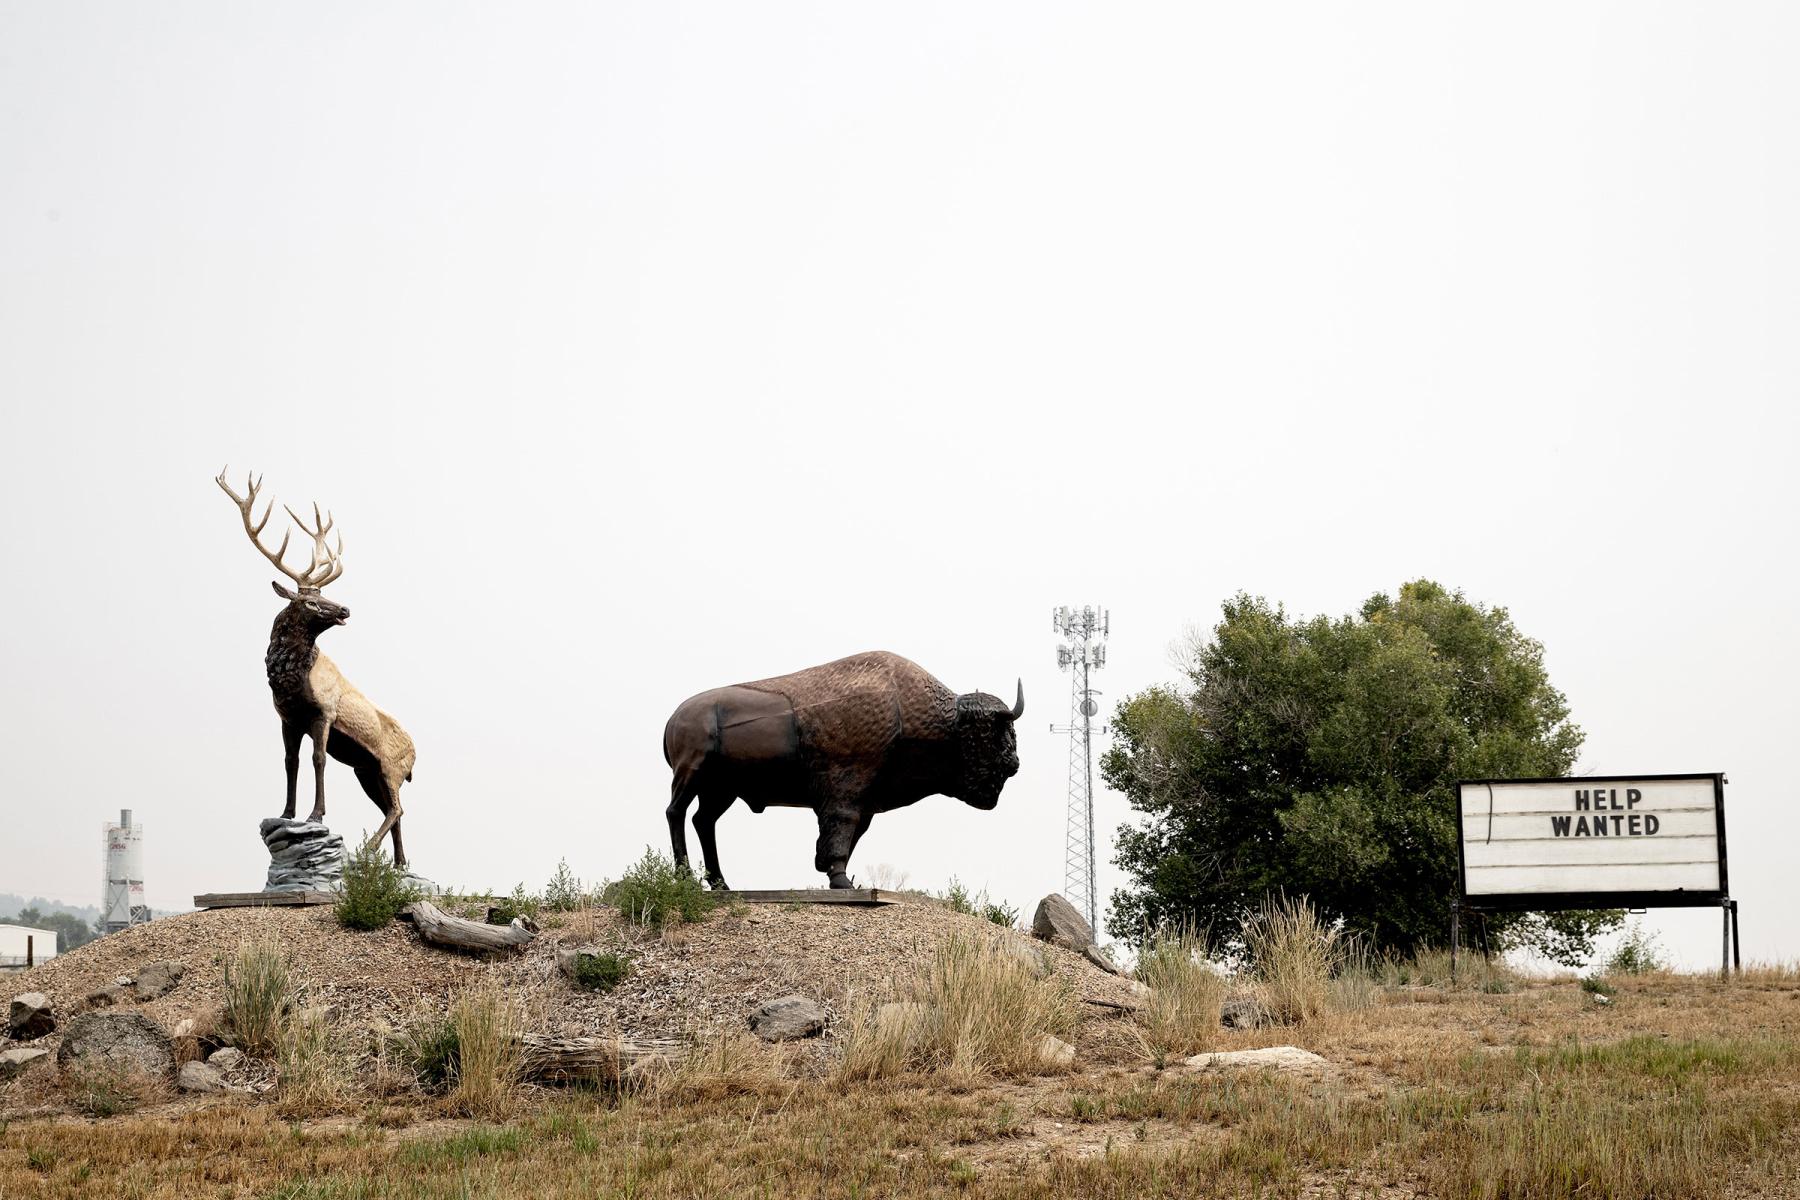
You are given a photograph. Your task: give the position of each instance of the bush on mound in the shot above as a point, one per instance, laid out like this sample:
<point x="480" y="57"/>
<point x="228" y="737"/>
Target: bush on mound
<point x="374" y="890"/>
<point x="656" y="892"/>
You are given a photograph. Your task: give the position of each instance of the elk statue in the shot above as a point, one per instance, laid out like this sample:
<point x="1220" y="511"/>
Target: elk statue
<point x="312" y="697"/>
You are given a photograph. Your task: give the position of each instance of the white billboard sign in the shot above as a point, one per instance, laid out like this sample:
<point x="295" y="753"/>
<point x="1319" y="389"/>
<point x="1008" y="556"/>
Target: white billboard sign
<point x="1611" y="842"/>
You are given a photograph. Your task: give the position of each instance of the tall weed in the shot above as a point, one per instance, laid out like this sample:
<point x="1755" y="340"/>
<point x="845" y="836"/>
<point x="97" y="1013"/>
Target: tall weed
<point x="1187" y="993"/>
<point x="1294" y="953"/>
<point x="487" y="1050"/>
<point x="258" y="996"/>
<point x="979" y="1010"/>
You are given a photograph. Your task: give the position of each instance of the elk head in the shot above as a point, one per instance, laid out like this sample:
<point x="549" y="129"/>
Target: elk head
<point x="327" y="560"/>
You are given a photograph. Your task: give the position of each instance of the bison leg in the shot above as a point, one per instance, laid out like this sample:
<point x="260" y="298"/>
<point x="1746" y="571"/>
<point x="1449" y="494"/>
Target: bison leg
<point x="681" y="794"/>
<point x="705" y="818"/>
<point x="839" y="831"/>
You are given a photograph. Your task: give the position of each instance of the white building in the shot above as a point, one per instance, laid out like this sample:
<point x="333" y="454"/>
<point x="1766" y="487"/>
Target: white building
<point x="14" y="940"/>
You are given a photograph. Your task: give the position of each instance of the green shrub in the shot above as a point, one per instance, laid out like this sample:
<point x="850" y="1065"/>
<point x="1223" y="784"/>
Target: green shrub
<point x="601" y="972"/>
<point x="1638" y="952"/>
<point x="429" y="1048"/>
<point x="374" y="889"/>
<point x="1597" y="986"/>
<point x="977" y="904"/>
<point x="656" y="892"/>
<point x="258" y="996"/>
<point x="520" y="904"/>
<point x="564" y="892"/>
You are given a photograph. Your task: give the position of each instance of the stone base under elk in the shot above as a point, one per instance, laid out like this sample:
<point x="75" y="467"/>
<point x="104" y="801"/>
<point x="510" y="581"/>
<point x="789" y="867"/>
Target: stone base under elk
<point x="303" y="856"/>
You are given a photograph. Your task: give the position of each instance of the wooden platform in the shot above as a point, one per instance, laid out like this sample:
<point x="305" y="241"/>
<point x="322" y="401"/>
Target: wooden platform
<point x="862" y="896"/>
<point x="815" y="896"/>
<point x="262" y="899"/>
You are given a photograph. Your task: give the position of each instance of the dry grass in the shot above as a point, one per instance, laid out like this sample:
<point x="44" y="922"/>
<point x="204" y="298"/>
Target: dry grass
<point x="1294" y="954"/>
<point x="258" y="995"/>
<point x="97" y="1089"/>
<point x="1682" y="1086"/>
<point x="1712" y="1116"/>
<point x="1180" y="1017"/>
<point x="980" y="1010"/>
<point x="486" y="1023"/>
<point x="311" y="1081"/>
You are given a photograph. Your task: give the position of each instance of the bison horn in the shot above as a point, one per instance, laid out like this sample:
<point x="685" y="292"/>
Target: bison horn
<point x="1018" y="708"/>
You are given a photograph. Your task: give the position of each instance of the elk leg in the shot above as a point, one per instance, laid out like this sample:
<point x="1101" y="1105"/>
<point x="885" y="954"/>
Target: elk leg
<point x="321" y="730"/>
<point x="291" y="733"/>
<point x="388" y="801"/>
<point x="839" y="831"/>
<point x="705" y="818"/>
<point x="681" y="794"/>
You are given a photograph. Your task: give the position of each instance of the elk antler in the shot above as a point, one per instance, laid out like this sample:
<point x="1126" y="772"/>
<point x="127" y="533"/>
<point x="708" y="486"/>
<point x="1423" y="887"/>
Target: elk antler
<point x="327" y="563"/>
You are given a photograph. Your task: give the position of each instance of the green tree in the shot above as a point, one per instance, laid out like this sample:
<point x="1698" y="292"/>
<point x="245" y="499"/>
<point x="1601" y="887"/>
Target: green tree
<point x="1320" y="756"/>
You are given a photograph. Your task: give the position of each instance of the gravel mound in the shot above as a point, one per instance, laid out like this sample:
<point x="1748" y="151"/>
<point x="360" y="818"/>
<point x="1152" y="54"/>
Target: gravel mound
<point x="691" y="981"/>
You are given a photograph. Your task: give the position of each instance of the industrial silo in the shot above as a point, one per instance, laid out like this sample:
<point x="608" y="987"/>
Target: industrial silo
<point x="122" y="900"/>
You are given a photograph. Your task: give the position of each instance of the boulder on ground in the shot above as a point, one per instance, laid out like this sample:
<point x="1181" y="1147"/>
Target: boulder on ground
<point x="226" y="1057"/>
<point x="30" y="1016"/>
<point x="1279" y="1058"/>
<point x="1052" y="1051"/>
<point x="1100" y="958"/>
<point x="901" y="1021"/>
<point x="197" y="1076"/>
<point x="18" y="1058"/>
<point x="1242" y="1011"/>
<point x="787" y="1019"/>
<point x="126" y="1040"/>
<point x="158" y="979"/>
<point x="1059" y="923"/>
<point x="1029" y="956"/>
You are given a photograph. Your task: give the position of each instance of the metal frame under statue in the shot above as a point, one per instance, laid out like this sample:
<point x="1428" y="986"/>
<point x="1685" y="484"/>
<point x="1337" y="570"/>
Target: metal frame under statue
<point x="863" y="735"/>
<point x="313" y="699"/>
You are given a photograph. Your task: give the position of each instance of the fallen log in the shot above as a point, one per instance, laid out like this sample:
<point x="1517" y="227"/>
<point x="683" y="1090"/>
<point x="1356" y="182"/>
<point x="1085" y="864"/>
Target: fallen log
<point x="593" y="1060"/>
<point x="1111" y="1004"/>
<point x="436" y="925"/>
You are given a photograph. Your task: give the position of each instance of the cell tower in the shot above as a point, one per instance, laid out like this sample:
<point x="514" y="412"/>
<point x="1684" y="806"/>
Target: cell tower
<point x="122" y="900"/>
<point x="1083" y="650"/>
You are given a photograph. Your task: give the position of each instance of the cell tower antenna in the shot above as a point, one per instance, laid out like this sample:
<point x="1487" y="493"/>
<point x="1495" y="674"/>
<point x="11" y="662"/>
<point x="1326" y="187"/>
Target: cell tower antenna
<point x="1083" y="650"/>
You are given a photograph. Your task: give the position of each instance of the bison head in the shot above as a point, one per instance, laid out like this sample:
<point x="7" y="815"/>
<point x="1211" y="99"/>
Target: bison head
<point x="987" y="750"/>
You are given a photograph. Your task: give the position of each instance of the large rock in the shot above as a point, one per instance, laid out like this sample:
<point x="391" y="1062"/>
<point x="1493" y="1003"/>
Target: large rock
<point x="303" y="856"/>
<point x="1059" y="923"/>
<point x="1052" y="1051"/>
<point x="158" y="979"/>
<point x="787" y="1019"/>
<point x="1278" y="1058"/>
<point x="125" y="1040"/>
<point x="1100" y="958"/>
<point x="1244" y="1011"/>
<point x="17" y="1059"/>
<point x="200" y="1077"/>
<point x="30" y="1016"/>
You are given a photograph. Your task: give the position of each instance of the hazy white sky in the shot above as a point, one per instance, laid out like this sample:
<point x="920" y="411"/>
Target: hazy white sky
<point x="644" y="348"/>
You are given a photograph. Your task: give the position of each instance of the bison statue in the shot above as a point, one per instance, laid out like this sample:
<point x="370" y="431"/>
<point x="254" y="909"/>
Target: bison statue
<point x="848" y="739"/>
